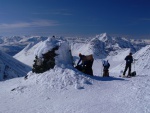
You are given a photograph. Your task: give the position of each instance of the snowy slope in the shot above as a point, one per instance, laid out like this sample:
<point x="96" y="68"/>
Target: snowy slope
<point x="117" y="57"/>
<point x="69" y="91"/>
<point x="66" y="90"/>
<point x="13" y="45"/>
<point x="31" y="50"/>
<point x="141" y="63"/>
<point x="10" y="67"/>
<point x="92" y="46"/>
<point x="27" y="55"/>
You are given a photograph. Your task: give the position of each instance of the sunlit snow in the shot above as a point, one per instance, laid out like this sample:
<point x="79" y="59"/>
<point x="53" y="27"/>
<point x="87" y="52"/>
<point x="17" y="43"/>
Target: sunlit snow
<point x="64" y="89"/>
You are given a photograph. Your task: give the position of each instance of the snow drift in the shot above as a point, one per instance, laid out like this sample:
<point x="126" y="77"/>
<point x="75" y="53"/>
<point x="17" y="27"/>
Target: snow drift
<point x="59" y="78"/>
<point x="63" y="74"/>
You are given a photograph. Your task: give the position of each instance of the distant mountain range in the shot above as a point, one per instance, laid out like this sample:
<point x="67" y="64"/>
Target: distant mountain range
<point x="101" y="46"/>
<point x="64" y="89"/>
<point x="13" y="45"/>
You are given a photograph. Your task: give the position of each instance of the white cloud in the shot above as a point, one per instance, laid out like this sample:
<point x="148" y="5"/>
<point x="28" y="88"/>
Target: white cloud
<point x="37" y="23"/>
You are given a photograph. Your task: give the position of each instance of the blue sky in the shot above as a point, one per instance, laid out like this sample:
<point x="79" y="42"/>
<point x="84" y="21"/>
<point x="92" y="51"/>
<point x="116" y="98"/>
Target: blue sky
<point x="75" y="17"/>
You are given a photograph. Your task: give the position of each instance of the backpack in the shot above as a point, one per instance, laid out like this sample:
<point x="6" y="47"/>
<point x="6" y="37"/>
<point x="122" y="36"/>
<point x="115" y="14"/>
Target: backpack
<point x="133" y="74"/>
<point x="88" y="58"/>
<point x="106" y="64"/>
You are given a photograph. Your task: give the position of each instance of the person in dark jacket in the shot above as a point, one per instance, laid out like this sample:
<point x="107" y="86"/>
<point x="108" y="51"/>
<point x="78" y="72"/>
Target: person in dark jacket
<point x="129" y="60"/>
<point x="82" y="57"/>
<point x="85" y="64"/>
<point x="80" y="65"/>
<point x="106" y="66"/>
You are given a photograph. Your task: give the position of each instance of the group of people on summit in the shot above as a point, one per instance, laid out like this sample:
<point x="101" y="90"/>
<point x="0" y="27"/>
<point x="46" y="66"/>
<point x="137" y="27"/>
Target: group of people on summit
<point x="87" y="61"/>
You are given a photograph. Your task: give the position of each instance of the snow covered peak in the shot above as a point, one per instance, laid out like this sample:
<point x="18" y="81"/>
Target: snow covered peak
<point x="98" y="48"/>
<point x="64" y="51"/>
<point x="104" y="37"/>
<point x="114" y="43"/>
<point x="45" y="46"/>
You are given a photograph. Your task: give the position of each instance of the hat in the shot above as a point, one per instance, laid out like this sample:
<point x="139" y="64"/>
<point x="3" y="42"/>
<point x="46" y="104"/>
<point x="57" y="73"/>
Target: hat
<point x="80" y="54"/>
<point x="130" y="53"/>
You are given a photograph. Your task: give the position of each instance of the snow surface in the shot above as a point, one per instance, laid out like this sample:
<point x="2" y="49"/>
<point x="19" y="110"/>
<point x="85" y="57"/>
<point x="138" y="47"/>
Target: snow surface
<point x="66" y="90"/>
<point x="32" y="50"/>
<point x="69" y="91"/>
<point x="10" y="67"/>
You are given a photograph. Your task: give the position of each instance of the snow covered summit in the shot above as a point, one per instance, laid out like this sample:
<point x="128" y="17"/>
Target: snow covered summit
<point x="63" y="74"/>
<point x="64" y="51"/>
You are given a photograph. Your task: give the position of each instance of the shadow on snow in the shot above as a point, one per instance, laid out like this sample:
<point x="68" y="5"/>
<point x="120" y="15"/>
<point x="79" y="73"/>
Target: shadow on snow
<point x="98" y="78"/>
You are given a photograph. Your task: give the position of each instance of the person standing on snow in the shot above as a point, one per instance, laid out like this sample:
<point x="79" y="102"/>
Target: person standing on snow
<point x="106" y="66"/>
<point x="129" y="60"/>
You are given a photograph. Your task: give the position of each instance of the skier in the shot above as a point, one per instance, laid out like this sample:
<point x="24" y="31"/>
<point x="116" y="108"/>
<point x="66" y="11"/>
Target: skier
<point x="129" y="60"/>
<point x="106" y="66"/>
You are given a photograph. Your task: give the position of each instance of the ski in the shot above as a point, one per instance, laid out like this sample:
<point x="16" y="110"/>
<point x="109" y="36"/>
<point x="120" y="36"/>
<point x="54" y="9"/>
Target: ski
<point x="125" y="76"/>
